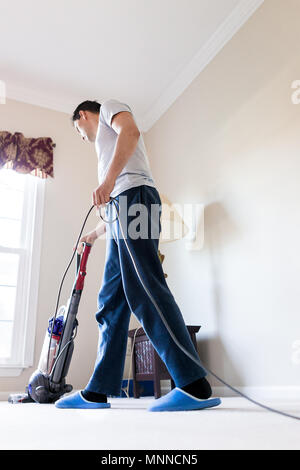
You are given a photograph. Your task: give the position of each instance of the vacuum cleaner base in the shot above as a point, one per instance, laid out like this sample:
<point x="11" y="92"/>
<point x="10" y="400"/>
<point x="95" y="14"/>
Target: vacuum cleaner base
<point x="40" y="390"/>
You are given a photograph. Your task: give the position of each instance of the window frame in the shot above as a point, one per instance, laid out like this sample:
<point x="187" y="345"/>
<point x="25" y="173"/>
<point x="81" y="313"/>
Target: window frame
<point x="25" y="315"/>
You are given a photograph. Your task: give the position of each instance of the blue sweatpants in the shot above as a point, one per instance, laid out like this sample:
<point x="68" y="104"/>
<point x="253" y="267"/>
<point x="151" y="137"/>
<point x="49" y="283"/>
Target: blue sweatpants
<point x="121" y="294"/>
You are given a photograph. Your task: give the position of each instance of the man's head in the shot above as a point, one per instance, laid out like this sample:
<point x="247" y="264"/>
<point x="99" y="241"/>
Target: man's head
<point x="86" y="118"/>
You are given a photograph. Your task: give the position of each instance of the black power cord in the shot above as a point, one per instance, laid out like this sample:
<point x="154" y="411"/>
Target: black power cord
<point x="196" y="360"/>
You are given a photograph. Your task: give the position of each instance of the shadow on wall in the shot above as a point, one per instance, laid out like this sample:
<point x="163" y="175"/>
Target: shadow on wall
<point x="219" y="232"/>
<point x="213" y="354"/>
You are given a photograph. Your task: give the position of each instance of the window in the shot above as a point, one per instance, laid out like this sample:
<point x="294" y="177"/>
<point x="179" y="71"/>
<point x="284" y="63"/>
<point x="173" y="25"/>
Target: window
<point x="21" y="206"/>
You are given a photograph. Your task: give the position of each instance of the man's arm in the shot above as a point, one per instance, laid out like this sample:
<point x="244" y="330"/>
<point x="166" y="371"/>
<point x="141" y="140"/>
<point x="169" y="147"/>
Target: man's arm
<point x="100" y="229"/>
<point x="128" y="136"/>
<point x="91" y="237"/>
<point x="97" y="232"/>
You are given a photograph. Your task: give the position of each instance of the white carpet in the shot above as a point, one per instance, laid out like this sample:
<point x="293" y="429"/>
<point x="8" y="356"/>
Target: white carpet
<point x="235" y="424"/>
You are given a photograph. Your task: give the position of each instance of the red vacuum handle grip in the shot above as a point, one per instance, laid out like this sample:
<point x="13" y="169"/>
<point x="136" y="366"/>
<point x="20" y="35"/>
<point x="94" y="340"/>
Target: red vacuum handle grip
<point x="82" y="267"/>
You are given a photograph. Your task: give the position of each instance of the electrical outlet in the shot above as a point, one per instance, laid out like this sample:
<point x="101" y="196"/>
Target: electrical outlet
<point x="195" y="240"/>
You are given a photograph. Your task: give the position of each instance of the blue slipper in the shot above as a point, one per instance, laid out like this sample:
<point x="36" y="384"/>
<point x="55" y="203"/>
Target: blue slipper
<point x="179" y="400"/>
<point x="76" y="400"/>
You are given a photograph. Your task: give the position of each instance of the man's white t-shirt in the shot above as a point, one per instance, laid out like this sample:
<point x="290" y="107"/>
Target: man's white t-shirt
<point x="137" y="170"/>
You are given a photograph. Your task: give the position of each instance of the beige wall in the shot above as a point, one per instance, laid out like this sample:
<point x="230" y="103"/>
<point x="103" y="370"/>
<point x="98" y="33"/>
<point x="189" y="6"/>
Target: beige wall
<point x="68" y="197"/>
<point x="232" y="142"/>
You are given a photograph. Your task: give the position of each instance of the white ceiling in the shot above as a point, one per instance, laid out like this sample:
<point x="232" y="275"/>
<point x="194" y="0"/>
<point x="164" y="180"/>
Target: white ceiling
<point x="57" y="53"/>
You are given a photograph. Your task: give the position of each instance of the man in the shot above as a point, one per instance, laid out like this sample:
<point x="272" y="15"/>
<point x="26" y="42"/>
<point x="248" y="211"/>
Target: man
<point x="124" y="172"/>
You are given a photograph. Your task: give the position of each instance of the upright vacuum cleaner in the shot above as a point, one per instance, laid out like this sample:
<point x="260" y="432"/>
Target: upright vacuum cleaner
<point x="48" y="383"/>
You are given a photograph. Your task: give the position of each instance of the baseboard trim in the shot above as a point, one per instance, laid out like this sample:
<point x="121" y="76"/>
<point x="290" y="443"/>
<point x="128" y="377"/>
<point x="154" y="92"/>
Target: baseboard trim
<point x="291" y="393"/>
<point x="261" y="393"/>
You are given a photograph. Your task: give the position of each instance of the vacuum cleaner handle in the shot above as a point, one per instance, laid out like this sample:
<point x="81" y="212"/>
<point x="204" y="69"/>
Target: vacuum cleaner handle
<point x="81" y="265"/>
<point x="77" y="263"/>
<point x="78" y="259"/>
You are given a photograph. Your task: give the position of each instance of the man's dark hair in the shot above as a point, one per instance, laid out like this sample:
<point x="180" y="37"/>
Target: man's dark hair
<point x="92" y="106"/>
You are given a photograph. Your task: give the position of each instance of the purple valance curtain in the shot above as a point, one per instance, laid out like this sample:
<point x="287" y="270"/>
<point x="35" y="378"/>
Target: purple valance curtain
<point x="27" y="155"/>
